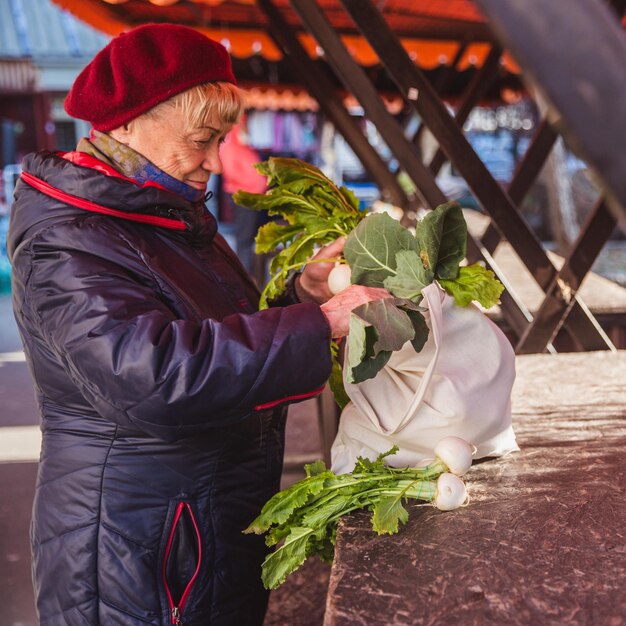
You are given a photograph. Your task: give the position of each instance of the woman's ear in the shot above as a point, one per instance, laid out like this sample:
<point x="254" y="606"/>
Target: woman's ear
<point x="122" y="134"/>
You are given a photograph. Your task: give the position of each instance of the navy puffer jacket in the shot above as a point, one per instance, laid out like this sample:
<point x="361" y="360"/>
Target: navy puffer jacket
<point x="162" y="394"/>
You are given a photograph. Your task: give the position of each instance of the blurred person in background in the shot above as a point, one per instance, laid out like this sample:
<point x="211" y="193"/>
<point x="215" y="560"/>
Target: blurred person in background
<point x="238" y="173"/>
<point x="162" y="389"/>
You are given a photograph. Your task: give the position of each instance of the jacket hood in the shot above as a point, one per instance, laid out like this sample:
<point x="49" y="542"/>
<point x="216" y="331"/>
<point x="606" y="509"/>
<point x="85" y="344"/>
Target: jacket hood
<point x="53" y="187"/>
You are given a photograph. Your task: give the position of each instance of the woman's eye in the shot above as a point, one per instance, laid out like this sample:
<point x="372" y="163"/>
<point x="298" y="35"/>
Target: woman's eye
<point x="203" y="143"/>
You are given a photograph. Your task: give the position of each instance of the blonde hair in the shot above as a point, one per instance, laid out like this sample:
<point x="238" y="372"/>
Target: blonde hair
<point x="204" y="102"/>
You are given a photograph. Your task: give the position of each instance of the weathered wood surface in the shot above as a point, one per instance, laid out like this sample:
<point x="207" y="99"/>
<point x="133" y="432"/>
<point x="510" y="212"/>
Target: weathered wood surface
<point x="543" y="539"/>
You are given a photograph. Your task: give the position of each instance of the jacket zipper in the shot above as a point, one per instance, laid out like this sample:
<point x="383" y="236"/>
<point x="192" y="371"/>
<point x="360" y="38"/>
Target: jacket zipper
<point x="177" y="607"/>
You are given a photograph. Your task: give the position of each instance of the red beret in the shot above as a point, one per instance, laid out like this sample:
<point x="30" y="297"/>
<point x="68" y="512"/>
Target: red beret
<point x="141" y="68"/>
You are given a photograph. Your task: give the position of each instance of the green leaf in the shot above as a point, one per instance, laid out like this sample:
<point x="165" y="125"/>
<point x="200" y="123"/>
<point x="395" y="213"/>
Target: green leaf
<point x="279" y="508"/>
<point x="371" y="249"/>
<point x="378" y="328"/>
<point x="287" y="558"/>
<point x="315" y="209"/>
<point x="419" y="327"/>
<point x="276" y="534"/>
<point x="393" y="326"/>
<point x="411" y="276"/>
<point x="348" y="194"/>
<point x="288" y="259"/>
<point x="302" y="178"/>
<point x="474" y="283"/>
<point x="318" y="516"/>
<point x="364" y="465"/>
<point x="315" y="468"/>
<point x="336" y="384"/>
<point x="329" y="201"/>
<point x="368" y="368"/>
<point x="388" y="512"/>
<point x="357" y="341"/>
<point x="325" y="549"/>
<point x="275" y="203"/>
<point x="318" y="227"/>
<point x="273" y="234"/>
<point x="442" y="238"/>
<point x="362" y="360"/>
<point x="284" y="170"/>
<point x="311" y="527"/>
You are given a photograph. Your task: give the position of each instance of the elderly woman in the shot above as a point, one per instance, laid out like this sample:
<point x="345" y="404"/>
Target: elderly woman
<point x="162" y="389"/>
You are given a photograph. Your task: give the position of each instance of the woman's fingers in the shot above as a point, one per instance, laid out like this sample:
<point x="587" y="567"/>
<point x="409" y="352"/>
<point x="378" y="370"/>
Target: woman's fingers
<point x="332" y="250"/>
<point x="337" y="310"/>
<point x="314" y="278"/>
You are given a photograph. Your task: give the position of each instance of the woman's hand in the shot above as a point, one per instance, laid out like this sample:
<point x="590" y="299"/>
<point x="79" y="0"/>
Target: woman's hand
<point x="312" y="284"/>
<point x="337" y="309"/>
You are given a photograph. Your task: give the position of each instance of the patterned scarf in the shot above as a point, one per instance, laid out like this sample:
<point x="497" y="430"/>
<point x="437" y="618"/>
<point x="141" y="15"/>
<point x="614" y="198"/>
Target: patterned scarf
<point x="133" y="165"/>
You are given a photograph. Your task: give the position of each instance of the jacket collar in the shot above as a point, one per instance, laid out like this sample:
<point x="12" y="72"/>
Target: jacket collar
<point x="134" y="165"/>
<point x="83" y="181"/>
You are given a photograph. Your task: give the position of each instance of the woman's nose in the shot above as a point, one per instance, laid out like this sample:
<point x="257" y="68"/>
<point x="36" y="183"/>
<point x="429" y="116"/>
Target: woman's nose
<point x="212" y="161"/>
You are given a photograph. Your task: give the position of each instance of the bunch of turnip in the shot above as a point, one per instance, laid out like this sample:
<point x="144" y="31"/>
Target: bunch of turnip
<point x="304" y="517"/>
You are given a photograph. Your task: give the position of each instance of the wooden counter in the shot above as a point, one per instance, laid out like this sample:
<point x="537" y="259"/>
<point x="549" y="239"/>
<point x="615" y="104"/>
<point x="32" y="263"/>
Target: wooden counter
<point x="543" y="540"/>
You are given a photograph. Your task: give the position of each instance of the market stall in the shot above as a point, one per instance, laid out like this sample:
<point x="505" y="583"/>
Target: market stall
<point x="409" y="37"/>
<point x="541" y="539"/>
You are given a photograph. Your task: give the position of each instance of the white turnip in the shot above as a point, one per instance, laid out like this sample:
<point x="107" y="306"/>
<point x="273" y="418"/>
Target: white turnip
<point x="339" y="278"/>
<point x="455" y="453"/>
<point x="451" y="492"/>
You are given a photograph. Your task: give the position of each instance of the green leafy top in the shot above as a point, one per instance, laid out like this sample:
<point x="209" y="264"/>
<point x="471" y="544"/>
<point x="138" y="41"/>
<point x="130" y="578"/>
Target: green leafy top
<point x="380" y="252"/>
<point x="304" y="517"/>
<point x="315" y="212"/>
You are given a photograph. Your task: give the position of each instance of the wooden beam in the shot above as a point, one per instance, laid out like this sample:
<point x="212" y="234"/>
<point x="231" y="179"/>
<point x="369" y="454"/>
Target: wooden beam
<point x="475" y="91"/>
<point x="525" y="174"/>
<point x="492" y="197"/>
<point x="576" y="57"/>
<point x="447" y="76"/>
<point x="356" y="81"/>
<point x="561" y="294"/>
<point x="321" y="88"/>
<point x="404" y="150"/>
<point x="533" y="161"/>
<point x="442" y="83"/>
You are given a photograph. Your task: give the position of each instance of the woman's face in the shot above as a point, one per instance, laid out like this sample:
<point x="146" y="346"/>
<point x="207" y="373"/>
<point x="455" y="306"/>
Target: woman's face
<point x="190" y="155"/>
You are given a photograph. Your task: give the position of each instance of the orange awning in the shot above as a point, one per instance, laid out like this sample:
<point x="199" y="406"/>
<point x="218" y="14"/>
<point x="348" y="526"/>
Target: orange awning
<point x="430" y="30"/>
<point x="293" y="98"/>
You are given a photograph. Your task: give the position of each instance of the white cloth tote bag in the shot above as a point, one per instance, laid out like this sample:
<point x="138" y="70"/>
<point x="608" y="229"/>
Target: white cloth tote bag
<point x="459" y="384"/>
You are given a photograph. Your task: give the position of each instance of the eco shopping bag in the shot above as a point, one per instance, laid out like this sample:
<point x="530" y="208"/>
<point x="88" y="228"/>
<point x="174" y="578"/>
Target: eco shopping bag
<point x="459" y="384"/>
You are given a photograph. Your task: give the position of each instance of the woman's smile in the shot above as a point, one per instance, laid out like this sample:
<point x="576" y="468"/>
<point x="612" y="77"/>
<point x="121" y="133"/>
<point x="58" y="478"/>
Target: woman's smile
<point x="196" y="184"/>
